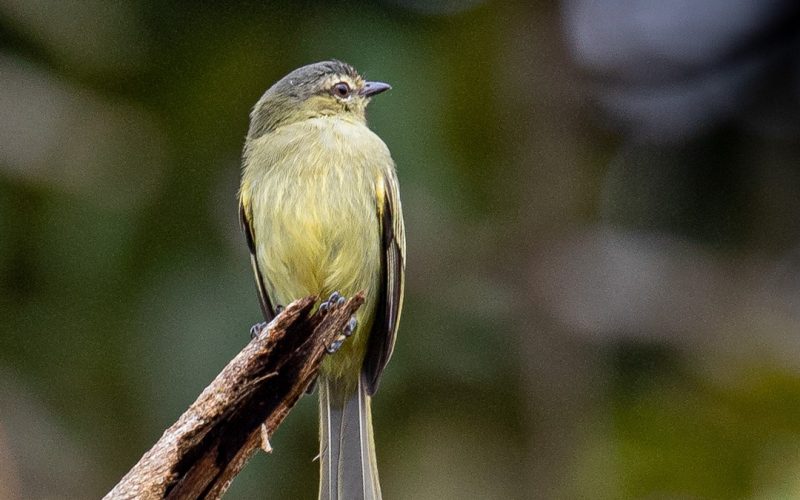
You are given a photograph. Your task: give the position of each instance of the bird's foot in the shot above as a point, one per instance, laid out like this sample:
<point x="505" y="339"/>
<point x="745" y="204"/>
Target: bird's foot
<point x="259" y="327"/>
<point x="335" y="345"/>
<point x="256" y="329"/>
<point x="335" y="299"/>
<point x="351" y="326"/>
<point x="349" y="329"/>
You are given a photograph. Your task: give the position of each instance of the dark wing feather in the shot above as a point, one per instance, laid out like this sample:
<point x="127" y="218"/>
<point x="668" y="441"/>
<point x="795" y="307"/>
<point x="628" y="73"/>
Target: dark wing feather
<point x="390" y="299"/>
<point x="263" y="298"/>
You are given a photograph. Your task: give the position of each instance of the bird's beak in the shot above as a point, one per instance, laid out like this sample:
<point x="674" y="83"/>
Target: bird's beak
<point x="371" y="88"/>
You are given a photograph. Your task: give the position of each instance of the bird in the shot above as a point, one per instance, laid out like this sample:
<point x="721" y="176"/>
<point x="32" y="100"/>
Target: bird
<point x="320" y="208"/>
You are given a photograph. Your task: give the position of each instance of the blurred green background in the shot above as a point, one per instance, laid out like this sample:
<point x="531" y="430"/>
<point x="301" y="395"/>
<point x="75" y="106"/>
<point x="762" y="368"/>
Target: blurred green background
<point x="603" y="218"/>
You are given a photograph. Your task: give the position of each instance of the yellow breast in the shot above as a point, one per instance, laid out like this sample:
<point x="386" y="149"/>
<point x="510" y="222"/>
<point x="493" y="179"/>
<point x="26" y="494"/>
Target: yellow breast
<point x="312" y="188"/>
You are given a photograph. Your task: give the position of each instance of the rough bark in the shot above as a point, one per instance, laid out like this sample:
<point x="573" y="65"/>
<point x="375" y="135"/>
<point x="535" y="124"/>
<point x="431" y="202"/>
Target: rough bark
<point x="199" y="455"/>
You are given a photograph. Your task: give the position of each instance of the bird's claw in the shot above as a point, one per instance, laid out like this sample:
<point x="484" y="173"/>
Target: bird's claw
<point x="335" y="299"/>
<point x="256" y="329"/>
<point x="351" y="326"/>
<point x="336" y="344"/>
<point x="348" y="330"/>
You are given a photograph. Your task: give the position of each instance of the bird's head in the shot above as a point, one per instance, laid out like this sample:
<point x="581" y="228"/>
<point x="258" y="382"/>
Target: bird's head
<point x="329" y="88"/>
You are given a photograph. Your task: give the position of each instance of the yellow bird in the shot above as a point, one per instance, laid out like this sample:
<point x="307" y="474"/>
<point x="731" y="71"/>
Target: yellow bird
<point x="320" y="209"/>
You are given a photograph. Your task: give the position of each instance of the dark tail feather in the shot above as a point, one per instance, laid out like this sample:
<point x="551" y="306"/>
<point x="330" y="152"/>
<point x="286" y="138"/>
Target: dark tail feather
<point x="348" y="469"/>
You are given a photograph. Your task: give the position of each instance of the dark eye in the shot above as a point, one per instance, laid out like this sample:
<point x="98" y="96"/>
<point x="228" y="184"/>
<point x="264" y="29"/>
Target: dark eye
<point x="341" y="89"/>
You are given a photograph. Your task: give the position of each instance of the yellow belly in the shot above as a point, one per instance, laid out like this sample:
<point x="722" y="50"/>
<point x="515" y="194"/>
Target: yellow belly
<point x="317" y="231"/>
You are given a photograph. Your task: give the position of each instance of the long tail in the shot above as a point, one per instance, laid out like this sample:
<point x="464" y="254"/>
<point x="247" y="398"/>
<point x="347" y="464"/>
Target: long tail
<point x="348" y="469"/>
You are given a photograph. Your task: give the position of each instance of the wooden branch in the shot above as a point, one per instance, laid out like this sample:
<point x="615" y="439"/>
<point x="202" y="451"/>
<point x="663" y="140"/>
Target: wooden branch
<point x="205" y="449"/>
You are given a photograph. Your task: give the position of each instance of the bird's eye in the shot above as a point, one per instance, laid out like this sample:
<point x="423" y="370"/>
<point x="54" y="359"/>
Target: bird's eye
<point x="341" y="89"/>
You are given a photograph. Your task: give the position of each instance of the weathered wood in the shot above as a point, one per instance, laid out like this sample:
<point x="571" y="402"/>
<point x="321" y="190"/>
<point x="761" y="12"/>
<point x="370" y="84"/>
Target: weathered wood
<point x="199" y="455"/>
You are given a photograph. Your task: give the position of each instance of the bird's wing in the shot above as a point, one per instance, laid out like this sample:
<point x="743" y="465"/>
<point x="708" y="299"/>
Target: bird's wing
<point x="390" y="300"/>
<point x="245" y="216"/>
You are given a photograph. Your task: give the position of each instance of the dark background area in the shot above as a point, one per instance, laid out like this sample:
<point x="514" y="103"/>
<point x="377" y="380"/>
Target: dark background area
<point x="602" y="202"/>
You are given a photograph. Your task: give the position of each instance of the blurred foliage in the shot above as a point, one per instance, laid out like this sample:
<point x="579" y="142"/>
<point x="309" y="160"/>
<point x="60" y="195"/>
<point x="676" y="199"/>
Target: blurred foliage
<point x="591" y="312"/>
